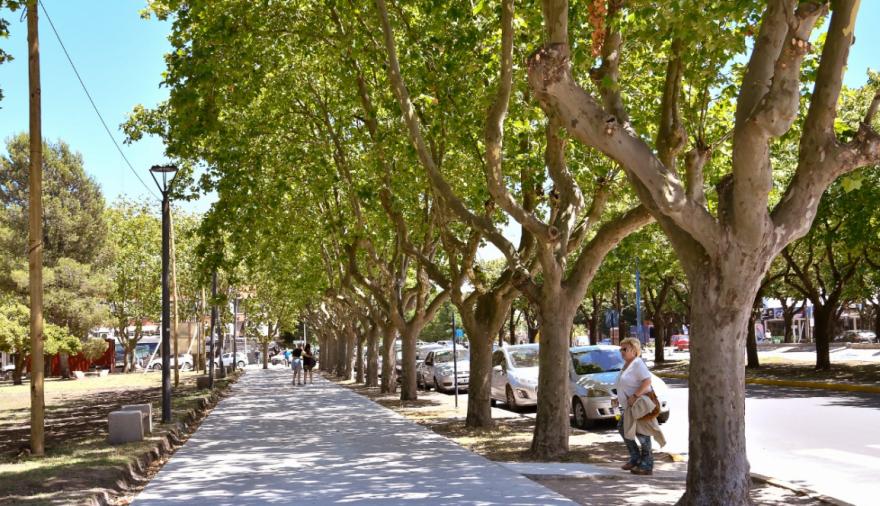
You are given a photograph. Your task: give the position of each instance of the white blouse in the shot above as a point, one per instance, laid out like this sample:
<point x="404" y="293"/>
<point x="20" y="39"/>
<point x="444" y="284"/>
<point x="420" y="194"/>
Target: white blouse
<point x="630" y="378"/>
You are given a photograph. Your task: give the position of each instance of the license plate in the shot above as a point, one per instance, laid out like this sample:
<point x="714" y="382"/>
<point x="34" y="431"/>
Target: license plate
<point x="615" y="403"/>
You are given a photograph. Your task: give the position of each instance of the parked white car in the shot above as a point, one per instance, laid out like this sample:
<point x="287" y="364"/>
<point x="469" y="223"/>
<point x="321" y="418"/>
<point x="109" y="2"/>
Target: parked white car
<point x="515" y="375"/>
<point x="184" y="361"/>
<point x="594" y="371"/>
<point x="439" y="371"/>
<point x="241" y="360"/>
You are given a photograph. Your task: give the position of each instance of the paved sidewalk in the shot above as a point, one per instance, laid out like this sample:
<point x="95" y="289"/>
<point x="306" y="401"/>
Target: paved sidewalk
<point x="272" y="443"/>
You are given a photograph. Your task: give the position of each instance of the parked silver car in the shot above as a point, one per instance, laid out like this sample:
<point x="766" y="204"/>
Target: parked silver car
<point x="594" y="371"/>
<point x="515" y="375"/>
<point x="438" y="369"/>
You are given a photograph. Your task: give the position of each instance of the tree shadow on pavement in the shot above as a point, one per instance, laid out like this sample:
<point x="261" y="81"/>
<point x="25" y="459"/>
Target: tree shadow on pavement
<point x="326" y="445"/>
<point x="607" y="490"/>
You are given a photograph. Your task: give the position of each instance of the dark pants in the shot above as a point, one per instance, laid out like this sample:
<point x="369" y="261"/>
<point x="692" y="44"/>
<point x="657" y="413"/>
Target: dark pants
<point x="641" y="457"/>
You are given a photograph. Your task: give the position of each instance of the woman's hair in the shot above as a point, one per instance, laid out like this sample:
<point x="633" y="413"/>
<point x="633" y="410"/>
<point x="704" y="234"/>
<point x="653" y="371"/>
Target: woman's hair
<point x="309" y="347"/>
<point x="632" y="342"/>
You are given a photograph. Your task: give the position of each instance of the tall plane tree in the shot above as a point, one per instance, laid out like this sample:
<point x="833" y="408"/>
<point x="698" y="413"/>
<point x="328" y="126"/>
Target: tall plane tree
<point x="725" y="254"/>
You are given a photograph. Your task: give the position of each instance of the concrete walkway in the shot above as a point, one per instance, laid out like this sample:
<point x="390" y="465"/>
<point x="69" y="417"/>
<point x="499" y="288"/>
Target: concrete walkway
<point x="272" y="443"/>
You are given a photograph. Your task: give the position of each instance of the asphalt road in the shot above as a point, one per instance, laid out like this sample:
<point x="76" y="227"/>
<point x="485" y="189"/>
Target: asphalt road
<point x="825" y="441"/>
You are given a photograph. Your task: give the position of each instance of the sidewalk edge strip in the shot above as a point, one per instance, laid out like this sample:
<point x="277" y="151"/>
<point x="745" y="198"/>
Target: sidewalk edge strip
<point x="799" y="490"/>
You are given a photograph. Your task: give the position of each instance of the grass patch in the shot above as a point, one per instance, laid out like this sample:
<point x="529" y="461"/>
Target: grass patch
<point x="778" y="368"/>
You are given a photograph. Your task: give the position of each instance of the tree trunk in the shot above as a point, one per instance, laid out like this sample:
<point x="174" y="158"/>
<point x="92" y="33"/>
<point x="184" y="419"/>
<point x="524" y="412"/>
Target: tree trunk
<point x="389" y="335"/>
<point x="751" y="344"/>
<point x="373" y="355"/>
<point x="359" y="359"/>
<point x="788" y="323"/>
<point x="408" y="387"/>
<point x="486" y="320"/>
<point x="718" y="468"/>
<point x="659" y="338"/>
<point x="824" y="327"/>
<point x="550" y="439"/>
<point x="877" y="320"/>
<point x="18" y="372"/>
<point x="64" y="364"/>
<point x="340" y="354"/>
<point x="265" y="355"/>
<point x="593" y="320"/>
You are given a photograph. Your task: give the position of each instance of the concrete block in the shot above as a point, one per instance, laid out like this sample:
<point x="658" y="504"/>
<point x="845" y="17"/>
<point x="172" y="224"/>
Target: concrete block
<point x="146" y="412"/>
<point x="79" y="374"/>
<point x="125" y="427"/>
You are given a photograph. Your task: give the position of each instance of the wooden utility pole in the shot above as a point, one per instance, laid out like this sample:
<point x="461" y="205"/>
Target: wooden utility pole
<point x="35" y="239"/>
<point x="175" y="293"/>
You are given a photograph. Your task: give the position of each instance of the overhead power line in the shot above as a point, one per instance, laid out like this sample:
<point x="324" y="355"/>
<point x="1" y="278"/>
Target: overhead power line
<point x="95" y="107"/>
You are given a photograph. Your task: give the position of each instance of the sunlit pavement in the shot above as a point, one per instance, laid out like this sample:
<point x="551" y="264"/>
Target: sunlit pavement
<point x="814" y="439"/>
<point x="273" y="443"/>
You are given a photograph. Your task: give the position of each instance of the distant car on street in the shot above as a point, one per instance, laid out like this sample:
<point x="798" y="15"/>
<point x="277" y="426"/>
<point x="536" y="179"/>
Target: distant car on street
<point x="856" y="336"/>
<point x="439" y="371"/>
<point x="241" y="360"/>
<point x="680" y="342"/>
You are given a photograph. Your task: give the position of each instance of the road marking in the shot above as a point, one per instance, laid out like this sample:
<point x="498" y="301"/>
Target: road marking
<point x="843" y="457"/>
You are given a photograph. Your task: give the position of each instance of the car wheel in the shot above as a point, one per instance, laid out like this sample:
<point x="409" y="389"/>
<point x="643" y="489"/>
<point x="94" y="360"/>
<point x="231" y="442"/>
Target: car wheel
<point x="240" y="364"/>
<point x="157" y="367"/>
<point x="492" y="402"/>
<point x="437" y="386"/>
<point x="511" y="399"/>
<point x="581" y="420"/>
<point x="186" y="366"/>
<point x="663" y="417"/>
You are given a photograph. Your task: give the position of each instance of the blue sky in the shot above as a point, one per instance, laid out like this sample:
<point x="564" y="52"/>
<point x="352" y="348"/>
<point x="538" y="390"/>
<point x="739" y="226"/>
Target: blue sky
<point x="120" y="58"/>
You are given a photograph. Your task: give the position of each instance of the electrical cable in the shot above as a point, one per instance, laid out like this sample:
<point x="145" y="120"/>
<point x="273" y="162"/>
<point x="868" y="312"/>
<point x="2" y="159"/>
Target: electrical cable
<point x="95" y="107"/>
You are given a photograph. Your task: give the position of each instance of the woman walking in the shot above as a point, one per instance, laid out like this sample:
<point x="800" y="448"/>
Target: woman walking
<point x="308" y="363"/>
<point x="639" y="409"/>
<point x="296" y="363"/>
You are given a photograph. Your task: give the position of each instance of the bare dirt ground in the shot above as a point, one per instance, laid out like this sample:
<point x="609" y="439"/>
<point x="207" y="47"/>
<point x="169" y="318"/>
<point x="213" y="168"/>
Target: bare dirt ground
<point x="78" y="460"/>
<point x="509" y="441"/>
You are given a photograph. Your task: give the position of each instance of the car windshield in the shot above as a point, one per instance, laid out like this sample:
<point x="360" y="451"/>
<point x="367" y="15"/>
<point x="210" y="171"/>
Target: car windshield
<point x="526" y="357"/>
<point x="446" y="356"/>
<point x="593" y="361"/>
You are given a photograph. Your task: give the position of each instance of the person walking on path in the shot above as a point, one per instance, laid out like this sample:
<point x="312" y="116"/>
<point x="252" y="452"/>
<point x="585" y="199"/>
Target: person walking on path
<point x="308" y="363"/>
<point x="634" y="386"/>
<point x="296" y="363"/>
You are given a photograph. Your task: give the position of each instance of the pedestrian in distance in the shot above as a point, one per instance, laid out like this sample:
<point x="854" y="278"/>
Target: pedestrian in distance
<point x="308" y="363"/>
<point x="296" y="363"/>
<point x="639" y="409"/>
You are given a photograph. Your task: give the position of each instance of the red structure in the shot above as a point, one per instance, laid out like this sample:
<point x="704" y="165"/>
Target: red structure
<point x="78" y="362"/>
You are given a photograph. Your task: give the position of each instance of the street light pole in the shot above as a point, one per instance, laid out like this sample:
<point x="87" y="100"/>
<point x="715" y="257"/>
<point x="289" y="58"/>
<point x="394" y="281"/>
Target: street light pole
<point x="213" y="329"/>
<point x="166" y="174"/>
<point x="234" y="332"/>
<point x="639" y="303"/>
<point x="454" y="361"/>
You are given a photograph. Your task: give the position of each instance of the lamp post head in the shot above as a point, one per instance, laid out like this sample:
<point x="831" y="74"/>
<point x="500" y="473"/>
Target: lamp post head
<point x="166" y="173"/>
